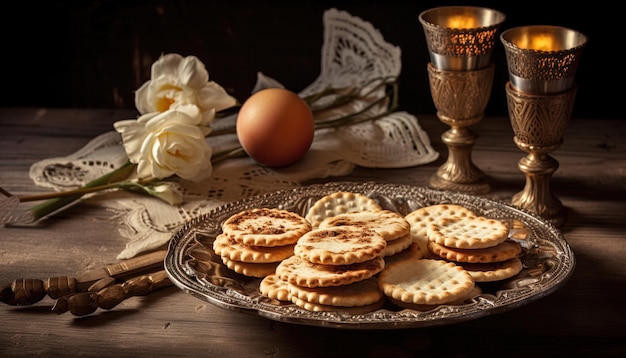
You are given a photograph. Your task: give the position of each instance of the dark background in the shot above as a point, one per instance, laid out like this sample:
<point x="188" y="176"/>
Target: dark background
<point x="95" y="54"/>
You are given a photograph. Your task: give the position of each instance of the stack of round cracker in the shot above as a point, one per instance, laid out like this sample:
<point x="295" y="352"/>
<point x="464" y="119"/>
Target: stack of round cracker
<point x="418" y="282"/>
<point x="392" y="226"/>
<point x="333" y="269"/>
<point x="477" y="243"/>
<point x="253" y="242"/>
<point x="419" y="220"/>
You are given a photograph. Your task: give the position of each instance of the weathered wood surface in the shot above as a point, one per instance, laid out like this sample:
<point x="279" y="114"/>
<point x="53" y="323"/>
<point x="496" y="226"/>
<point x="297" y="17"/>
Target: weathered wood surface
<point x="583" y="318"/>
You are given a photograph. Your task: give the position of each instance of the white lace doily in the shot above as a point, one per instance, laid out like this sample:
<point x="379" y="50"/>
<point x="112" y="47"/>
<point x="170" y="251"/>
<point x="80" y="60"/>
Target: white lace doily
<point x="354" y="53"/>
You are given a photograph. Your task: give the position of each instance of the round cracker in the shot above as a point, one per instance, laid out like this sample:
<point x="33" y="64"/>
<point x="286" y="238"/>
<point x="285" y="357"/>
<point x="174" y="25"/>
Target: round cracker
<point x="494" y="271"/>
<point x="359" y="293"/>
<point x="420" y="219"/>
<point x="411" y="252"/>
<point x="226" y="246"/>
<point x="307" y="274"/>
<point x="423" y="308"/>
<point x="468" y="232"/>
<point x="425" y="281"/>
<point x="501" y="252"/>
<point x="398" y="245"/>
<point x="339" y="203"/>
<point x="250" y="269"/>
<point x="266" y="227"/>
<point x="342" y="245"/>
<point x="273" y="287"/>
<point x="316" y="307"/>
<point x="389" y="224"/>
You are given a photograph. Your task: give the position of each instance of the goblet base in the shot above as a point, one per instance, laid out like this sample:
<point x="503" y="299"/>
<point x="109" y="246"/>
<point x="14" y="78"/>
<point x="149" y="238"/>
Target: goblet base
<point x="459" y="173"/>
<point x="553" y="211"/>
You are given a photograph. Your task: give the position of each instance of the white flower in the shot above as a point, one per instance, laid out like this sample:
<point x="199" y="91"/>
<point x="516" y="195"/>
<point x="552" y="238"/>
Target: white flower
<point x="168" y="143"/>
<point x="179" y="80"/>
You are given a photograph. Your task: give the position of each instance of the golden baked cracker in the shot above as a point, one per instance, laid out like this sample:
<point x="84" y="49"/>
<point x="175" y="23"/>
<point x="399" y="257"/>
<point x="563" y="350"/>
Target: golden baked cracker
<point x="419" y="220"/>
<point x="307" y="274"/>
<point x="468" y="232"/>
<point x="266" y="227"/>
<point x="398" y="245"/>
<point x="411" y="252"/>
<point x="389" y="224"/>
<point x="494" y="271"/>
<point x="226" y="246"/>
<point x="250" y="269"/>
<point x="423" y="308"/>
<point x="339" y="203"/>
<point x="425" y="281"/>
<point x="273" y="287"/>
<point x="355" y="310"/>
<point x="342" y="245"/>
<point x="359" y="293"/>
<point x="501" y="252"/>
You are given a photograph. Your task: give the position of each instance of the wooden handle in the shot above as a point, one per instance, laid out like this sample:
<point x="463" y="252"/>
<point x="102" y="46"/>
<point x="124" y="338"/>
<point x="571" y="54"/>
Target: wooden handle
<point x="123" y="270"/>
<point x="85" y="303"/>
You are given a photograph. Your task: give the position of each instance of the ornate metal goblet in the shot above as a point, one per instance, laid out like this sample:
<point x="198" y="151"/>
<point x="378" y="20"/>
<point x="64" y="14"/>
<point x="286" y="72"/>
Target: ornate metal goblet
<point x="460" y="43"/>
<point x="542" y="61"/>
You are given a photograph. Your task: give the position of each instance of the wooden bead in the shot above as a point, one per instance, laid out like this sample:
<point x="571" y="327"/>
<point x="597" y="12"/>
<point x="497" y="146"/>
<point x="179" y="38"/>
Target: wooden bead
<point x="28" y="291"/>
<point x="83" y="303"/>
<point x="60" y="286"/>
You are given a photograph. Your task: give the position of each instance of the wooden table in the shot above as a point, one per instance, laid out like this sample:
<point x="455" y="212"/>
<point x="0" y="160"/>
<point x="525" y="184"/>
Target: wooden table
<point x="585" y="317"/>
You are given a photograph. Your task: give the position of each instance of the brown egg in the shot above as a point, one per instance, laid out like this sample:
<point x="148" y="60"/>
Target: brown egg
<point x="275" y="127"/>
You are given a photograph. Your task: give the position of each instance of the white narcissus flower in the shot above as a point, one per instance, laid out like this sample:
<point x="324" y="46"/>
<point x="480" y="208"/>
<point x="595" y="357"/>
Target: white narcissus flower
<point x="179" y="80"/>
<point x="168" y="143"/>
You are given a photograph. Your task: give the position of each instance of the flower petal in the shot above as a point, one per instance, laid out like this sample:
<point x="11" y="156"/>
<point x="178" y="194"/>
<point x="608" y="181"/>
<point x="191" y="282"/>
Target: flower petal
<point x="133" y="135"/>
<point x="212" y="95"/>
<point x="192" y="73"/>
<point x="167" y="64"/>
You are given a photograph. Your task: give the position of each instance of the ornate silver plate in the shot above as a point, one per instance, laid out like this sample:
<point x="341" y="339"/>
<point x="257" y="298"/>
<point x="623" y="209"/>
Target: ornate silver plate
<point x="193" y="266"/>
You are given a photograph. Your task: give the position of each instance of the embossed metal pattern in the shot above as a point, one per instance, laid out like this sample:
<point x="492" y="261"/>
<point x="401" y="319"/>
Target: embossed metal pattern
<point x="542" y="59"/>
<point x="193" y="266"/>
<point x="460" y="96"/>
<point x="461" y="42"/>
<point x="537" y="120"/>
<point x="543" y="65"/>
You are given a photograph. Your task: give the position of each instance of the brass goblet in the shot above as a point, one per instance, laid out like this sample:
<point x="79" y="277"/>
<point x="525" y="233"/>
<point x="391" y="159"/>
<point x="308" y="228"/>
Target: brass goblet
<point x="460" y="43"/>
<point x="542" y="61"/>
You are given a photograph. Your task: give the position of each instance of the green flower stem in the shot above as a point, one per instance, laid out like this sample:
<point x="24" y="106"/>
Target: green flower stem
<point x="227" y="154"/>
<point x="112" y="180"/>
<point x="65" y="198"/>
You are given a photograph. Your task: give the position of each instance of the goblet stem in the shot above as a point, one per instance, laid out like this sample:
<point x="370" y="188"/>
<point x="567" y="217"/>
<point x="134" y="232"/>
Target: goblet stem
<point x="460" y="98"/>
<point x="459" y="173"/>
<point x="537" y="196"/>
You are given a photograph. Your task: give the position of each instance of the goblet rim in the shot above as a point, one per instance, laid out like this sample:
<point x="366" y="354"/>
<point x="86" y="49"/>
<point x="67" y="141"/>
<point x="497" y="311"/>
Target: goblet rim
<point x="573" y="40"/>
<point x="495" y="19"/>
